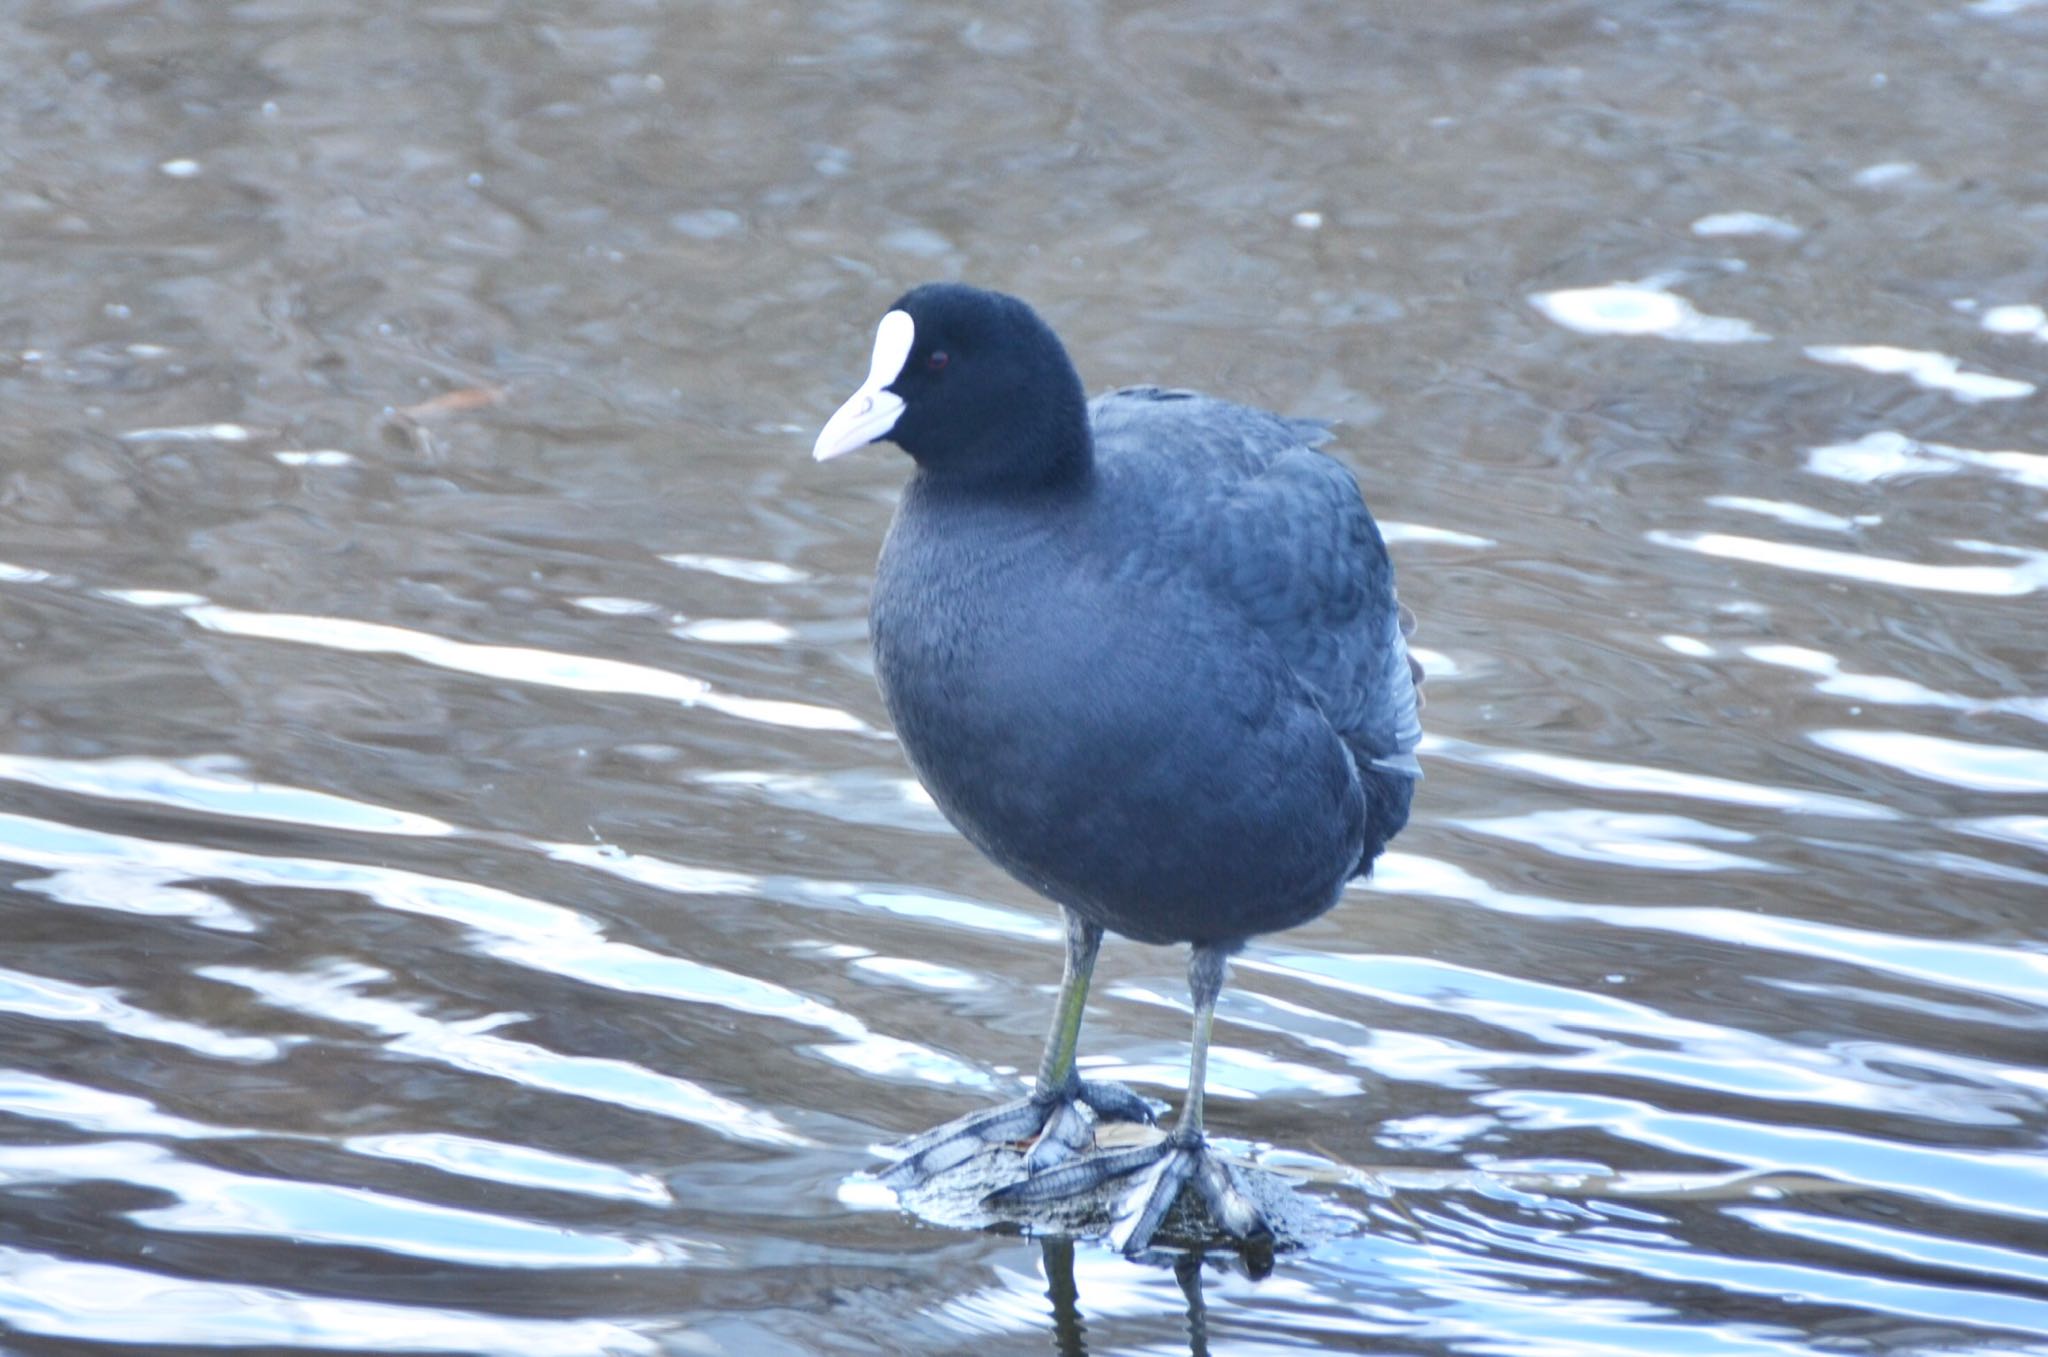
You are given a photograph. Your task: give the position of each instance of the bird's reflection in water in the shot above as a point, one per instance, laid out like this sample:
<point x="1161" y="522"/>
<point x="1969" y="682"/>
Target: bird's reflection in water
<point x="1187" y="1242"/>
<point x="1070" y="1328"/>
<point x="1069" y="1333"/>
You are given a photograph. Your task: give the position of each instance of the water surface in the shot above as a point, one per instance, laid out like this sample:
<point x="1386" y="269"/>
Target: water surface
<point x="459" y="891"/>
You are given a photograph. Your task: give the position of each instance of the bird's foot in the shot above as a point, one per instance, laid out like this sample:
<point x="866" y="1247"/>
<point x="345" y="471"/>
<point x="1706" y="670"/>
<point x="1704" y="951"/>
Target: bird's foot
<point x="1052" y="1115"/>
<point x="1161" y="1171"/>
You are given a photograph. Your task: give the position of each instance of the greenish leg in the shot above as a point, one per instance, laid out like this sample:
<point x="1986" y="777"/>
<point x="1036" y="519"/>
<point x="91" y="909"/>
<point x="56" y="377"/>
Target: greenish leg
<point x="1051" y="1113"/>
<point x="1084" y="941"/>
<point x="1160" y="1170"/>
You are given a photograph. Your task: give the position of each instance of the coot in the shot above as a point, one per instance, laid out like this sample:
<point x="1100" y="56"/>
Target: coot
<point x="1145" y="654"/>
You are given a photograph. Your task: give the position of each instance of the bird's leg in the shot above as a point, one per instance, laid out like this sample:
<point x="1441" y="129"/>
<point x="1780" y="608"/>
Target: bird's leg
<point x="1051" y="1111"/>
<point x="1182" y="1157"/>
<point x="1187" y="1156"/>
<point x="1084" y="943"/>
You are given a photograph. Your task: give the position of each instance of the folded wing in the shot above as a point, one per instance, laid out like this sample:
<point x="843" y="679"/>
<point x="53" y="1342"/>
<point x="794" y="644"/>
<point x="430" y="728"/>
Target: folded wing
<point x="1303" y="560"/>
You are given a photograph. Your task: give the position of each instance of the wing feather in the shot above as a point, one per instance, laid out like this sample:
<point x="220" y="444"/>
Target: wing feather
<point x="1322" y="590"/>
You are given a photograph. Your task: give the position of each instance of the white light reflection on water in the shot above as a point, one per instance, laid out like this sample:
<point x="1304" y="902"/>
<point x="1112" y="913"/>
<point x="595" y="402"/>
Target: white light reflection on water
<point x="543" y="936"/>
<point x="617" y="607"/>
<point x="1995" y="1183"/>
<point x="1644" y="309"/>
<point x="1935" y="371"/>
<point x="2029" y="831"/>
<point x="931" y="907"/>
<point x="1889" y="455"/>
<point x="2028" y="573"/>
<point x="857" y="798"/>
<point x="1665" y="843"/>
<point x="1885" y="689"/>
<point x="334" y="994"/>
<point x="2003" y="769"/>
<point x="90" y="869"/>
<point x="911" y="971"/>
<point x="1895" y="1246"/>
<point x="22" y="574"/>
<point x="1609" y="1035"/>
<point x="105" y="1303"/>
<point x="1746" y="224"/>
<point x="1624" y="777"/>
<point x="211" y="786"/>
<point x="1396" y="533"/>
<point x="515" y="1165"/>
<point x="1798" y="515"/>
<point x="1651" y="1261"/>
<point x="734" y="631"/>
<point x="98" y="1111"/>
<point x="188" y="433"/>
<point x="1964" y="967"/>
<point x="214" y="1201"/>
<point x="133" y="873"/>
<point x="2025" y="319"/>
<point x="51" y="1000"/>
<point x="522" y="664"/>
<point x="732" y="567"/>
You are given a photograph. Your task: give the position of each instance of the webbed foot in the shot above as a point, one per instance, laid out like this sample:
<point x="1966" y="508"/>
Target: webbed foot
<point x="1053" y="1116"/>
<point x="1158" y="1173"/>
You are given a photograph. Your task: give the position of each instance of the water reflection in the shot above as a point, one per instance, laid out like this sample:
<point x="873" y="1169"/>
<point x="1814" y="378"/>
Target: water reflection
<point x="1069" y="1324"/>
<point x="1935" y="371"/>
<point x="101" y="1303"/>
<point x="1443" y="1260"/>
<point x="1645" y="308"/>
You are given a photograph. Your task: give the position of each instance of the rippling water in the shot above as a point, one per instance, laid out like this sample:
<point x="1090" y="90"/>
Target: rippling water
<point x="459" y="891"/>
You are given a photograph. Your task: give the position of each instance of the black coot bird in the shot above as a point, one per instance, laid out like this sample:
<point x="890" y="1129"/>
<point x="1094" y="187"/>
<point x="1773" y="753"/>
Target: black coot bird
<point x="1145" y="653"/>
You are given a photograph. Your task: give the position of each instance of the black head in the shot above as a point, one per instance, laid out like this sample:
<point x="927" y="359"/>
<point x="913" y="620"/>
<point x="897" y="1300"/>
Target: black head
<point x="974" y="386"/>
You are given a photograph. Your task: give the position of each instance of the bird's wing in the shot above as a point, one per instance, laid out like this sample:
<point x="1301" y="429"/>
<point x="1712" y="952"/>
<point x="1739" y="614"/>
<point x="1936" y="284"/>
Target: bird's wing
<point x="1284" y="534"/>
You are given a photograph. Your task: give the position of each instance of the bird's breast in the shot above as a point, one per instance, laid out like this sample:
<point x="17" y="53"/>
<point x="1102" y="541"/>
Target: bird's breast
<point x="1146" y="760"/>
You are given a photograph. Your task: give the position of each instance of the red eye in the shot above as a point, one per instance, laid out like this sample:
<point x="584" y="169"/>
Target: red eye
<point x="937" y="362"/>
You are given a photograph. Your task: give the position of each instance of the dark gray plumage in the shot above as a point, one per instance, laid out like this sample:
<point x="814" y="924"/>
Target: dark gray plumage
<point x="1146" y="654"/>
